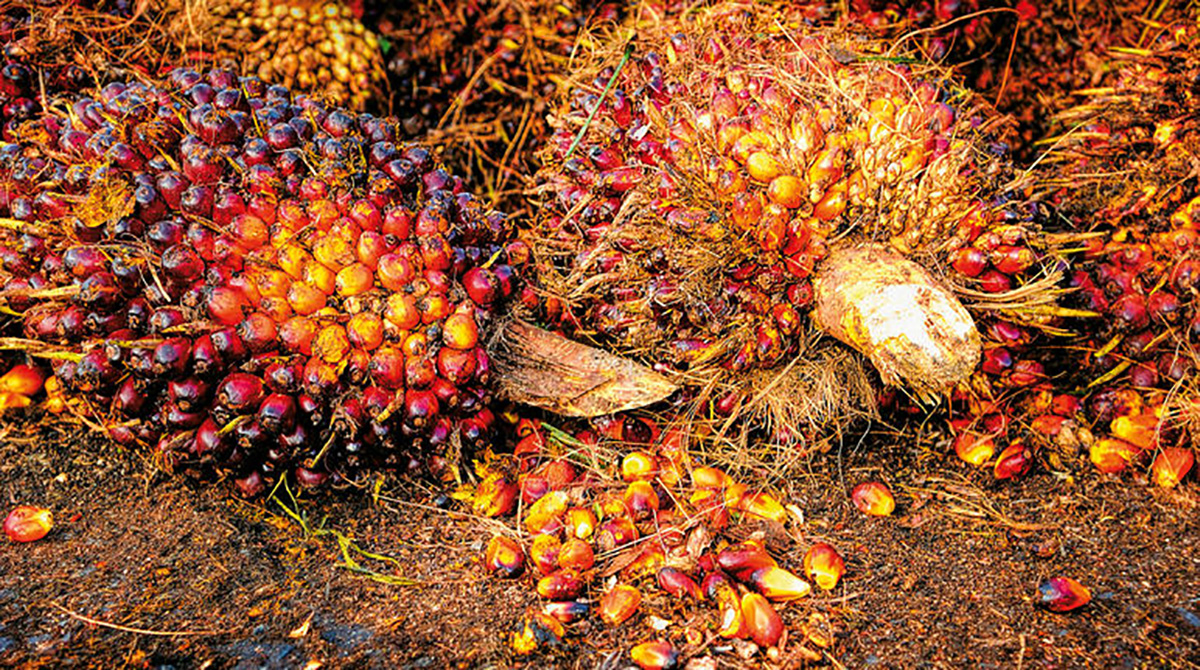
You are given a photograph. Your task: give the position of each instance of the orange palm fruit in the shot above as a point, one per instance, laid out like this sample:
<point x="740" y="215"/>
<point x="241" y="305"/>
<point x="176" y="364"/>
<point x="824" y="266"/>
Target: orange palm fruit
<point x="26" y="523"/>
<point x="22" y="380"/>
<point x="974" y="449"/>
<point x="873" y="498"/>
<point x="1111" y="455"/>
<point x="824" y="565"/>
<point x="581" y="522"/>
<point x="638" y="466"/>
<point x="762" y="621"/>
<point x="544" y="553"/>
<point x="495" y="496"/>
<point x="576" y="553"/>
<point x="778" y="584"/>
<point x="1171" y="465"/>
<point x="655" y="655"/>
<point x="620" y="603"/>
<point x="763" y="505"/>
<point x="504" y="557"/>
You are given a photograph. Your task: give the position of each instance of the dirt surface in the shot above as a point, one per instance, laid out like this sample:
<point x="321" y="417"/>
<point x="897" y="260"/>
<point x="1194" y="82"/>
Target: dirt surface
<point x="147" y="570"/>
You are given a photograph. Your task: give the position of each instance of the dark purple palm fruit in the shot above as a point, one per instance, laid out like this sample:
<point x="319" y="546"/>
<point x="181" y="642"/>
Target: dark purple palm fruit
<point x="241" y="307"/>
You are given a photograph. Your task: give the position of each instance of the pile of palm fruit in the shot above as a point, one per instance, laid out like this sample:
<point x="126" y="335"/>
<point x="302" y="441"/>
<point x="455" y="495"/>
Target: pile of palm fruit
<point x="309" y="46"/>
<point x="249" y="280"/>
<point x="795" y="227"/>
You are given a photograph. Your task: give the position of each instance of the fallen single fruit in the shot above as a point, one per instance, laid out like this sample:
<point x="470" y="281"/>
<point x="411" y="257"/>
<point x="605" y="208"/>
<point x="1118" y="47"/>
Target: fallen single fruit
<point x="824" y="565"/>
<point x="655" y="655"/>
<point x="873" y="498"/>
<point x="27" y="523"/>
<point x="1063" y="594"/>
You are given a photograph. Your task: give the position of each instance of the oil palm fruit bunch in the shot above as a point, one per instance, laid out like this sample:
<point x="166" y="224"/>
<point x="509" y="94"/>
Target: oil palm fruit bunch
<point x="476" y="74"/>
<point x="251" y="281"/>
<point x="620" y="523"/>
<point x="313" y="46"/>
<point x="725" y="176"/>
<point x="1028" y="56"/>
<point x="1127" y="153"/>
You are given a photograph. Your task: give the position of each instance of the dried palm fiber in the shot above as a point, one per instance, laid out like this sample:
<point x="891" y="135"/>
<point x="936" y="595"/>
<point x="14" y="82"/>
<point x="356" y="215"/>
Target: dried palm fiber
<point x="1125" y="162"/>
<point x="474" y="78"/>
<point x="708" y="177"/>
<point x="312" y="46"/>
<point x="250" y="282"/>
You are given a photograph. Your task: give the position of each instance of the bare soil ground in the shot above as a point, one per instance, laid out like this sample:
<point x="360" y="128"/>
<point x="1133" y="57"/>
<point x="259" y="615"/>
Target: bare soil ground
<point x="146" y="570"/>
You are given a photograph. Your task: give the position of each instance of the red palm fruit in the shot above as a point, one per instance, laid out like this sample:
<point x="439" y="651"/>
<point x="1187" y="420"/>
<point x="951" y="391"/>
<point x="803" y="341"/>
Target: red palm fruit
<point x="1111" y="455"/>
<point x="638" y="466"/>
<point x="581" y="522"/>
<point x="353" y="280"/>
<point x="297" y="334"/>
<point x="564" y="584"/>
<point x="240" y="393"/>
<point x="482" y="286"/>
<point x="1171" y="465"/>
<point x="655" y="655"/>
<point x="762" y="621"/>
<point x="970" y="261"/>
<point x="226" y="305"/>
<point x="1062" y="594"/>
<point x="26" y="523"/>
<point x="258" y="332"/>
<point x="401" y="312"/>
<point x="568" y="611"/>
<point x="504" y="557"/>
<point x="544" y="553"/>
<point x="620" y="603"/>
<point x="320" y="378"/>
<point x="460" y="331"/>
<point x="495" y="496"/>
<point x="277" y="413"/>
<point x="22" y="380"/>
<point x="778" y="584"/>
<point x="457" y="365"/>
<point x="189" y="394"/>
<point x="576" y="554"/>
<point x="678" y="584"/>
<point x="1014" y="461"/>
<point x="743" y="558"/>
<point x="387" y="368"/>
<point x="331" y="344"/>
<point x="305" y="299"/>
<point x="973" y="448"/>
<point x="824" y="565"/>
<point x="365" y="331"/>
<point x="615" y="532"/>
<point x="641" y="499"/>
<point x="873" y="498"/>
